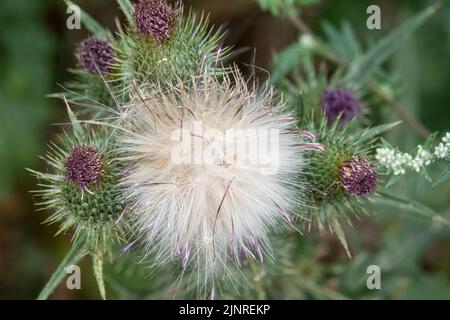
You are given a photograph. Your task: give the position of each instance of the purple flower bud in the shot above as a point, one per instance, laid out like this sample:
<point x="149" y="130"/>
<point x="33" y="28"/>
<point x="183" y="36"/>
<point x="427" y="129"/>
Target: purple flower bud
<point x="358" y="177"/>
<point x="155" y="18"/>
<point x="95" y="55"/>
<point x="340" y="102"/>
<point x="84" y="166"/>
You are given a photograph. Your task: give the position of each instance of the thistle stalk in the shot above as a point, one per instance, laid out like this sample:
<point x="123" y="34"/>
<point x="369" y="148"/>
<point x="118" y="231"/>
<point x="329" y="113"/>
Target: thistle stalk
<point x="77" y="251"/>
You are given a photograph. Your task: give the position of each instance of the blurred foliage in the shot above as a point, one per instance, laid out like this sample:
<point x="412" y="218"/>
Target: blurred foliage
<point x="26" y="62"/>
<point x="277" y="7"/>
<point x="398" y="238"/>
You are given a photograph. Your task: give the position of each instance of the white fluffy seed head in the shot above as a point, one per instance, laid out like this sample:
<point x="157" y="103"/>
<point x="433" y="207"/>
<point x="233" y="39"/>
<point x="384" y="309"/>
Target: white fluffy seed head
<point x="193" y="198"/>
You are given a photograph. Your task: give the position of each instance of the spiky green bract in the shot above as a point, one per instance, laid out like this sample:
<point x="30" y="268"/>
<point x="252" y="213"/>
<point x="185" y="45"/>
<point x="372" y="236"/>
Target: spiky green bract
<point x="89" y="93"/>
<point x="92" y="92"/>
<point x="91" y="88"/>
<point x="330" y="201"/>
<point x="83" y="194"/>
<point x="193" y="48"/>
<point x="93" y="211"/>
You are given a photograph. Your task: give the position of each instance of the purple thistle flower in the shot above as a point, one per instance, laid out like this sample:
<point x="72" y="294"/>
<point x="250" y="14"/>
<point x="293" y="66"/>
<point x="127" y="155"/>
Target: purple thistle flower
<point x="155" y="18"/>
<point x="84" y="166"/>
<point x="358" y="177"/>
<point x="340" y="102"/>
<point x="95" y="55"/>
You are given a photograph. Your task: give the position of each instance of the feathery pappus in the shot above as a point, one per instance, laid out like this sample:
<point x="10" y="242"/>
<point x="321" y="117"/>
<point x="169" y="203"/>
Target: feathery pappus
<point x="211" y="170"/>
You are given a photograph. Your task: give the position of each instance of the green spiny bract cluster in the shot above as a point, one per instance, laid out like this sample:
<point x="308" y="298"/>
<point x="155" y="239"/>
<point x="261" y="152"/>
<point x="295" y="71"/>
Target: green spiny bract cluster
<point x="314" y="92"/>
<point x="163" y="47"/>
<point x="339" y="147"/>
<point x="89" y="90"/>
<point x="342" y="176"/>
<point x="85" y="199"/>
<point x="139" y="60"/>
<point x="82" y="188"/>
<point x="192" y="48"/>
<point x="331" y="106"/>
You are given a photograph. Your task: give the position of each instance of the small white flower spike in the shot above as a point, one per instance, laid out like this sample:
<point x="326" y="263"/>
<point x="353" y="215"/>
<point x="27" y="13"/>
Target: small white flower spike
<point x="397" y="162"/>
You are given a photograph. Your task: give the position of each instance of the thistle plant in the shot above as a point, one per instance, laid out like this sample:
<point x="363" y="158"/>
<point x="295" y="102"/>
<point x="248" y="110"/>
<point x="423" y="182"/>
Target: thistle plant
<point x="166" y="163"/>
<point x="206" y="206"/>
<point x="159" y="46"/>
<point x="342" y="177"/>
<point x="163" y="45"/>
<point x="83" y="190"/>
<point x="314" y="93"/>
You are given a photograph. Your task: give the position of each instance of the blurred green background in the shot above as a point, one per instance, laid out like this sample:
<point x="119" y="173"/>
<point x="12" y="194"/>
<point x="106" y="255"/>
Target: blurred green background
<point x="36" y="48"/>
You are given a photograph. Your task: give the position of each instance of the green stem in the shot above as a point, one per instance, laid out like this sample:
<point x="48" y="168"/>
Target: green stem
<point x="410" y="205"/>
<point x="77" y="251"/>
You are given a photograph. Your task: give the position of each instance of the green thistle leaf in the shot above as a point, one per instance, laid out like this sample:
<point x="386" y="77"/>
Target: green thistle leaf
<point x="127" y="9"/>
<point x="288" y="60"/>
<point x="97" y="263"/>
<point x="443" y="177"/>
<point x="392" y="180"/>
<point x="77" y="251"/>
<point x="361" y="71"/>
<point x="412" y="206"/>
<point x="93" y="26"/>
<point x="373" y="132"/>
<point x="343" y="42"/>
